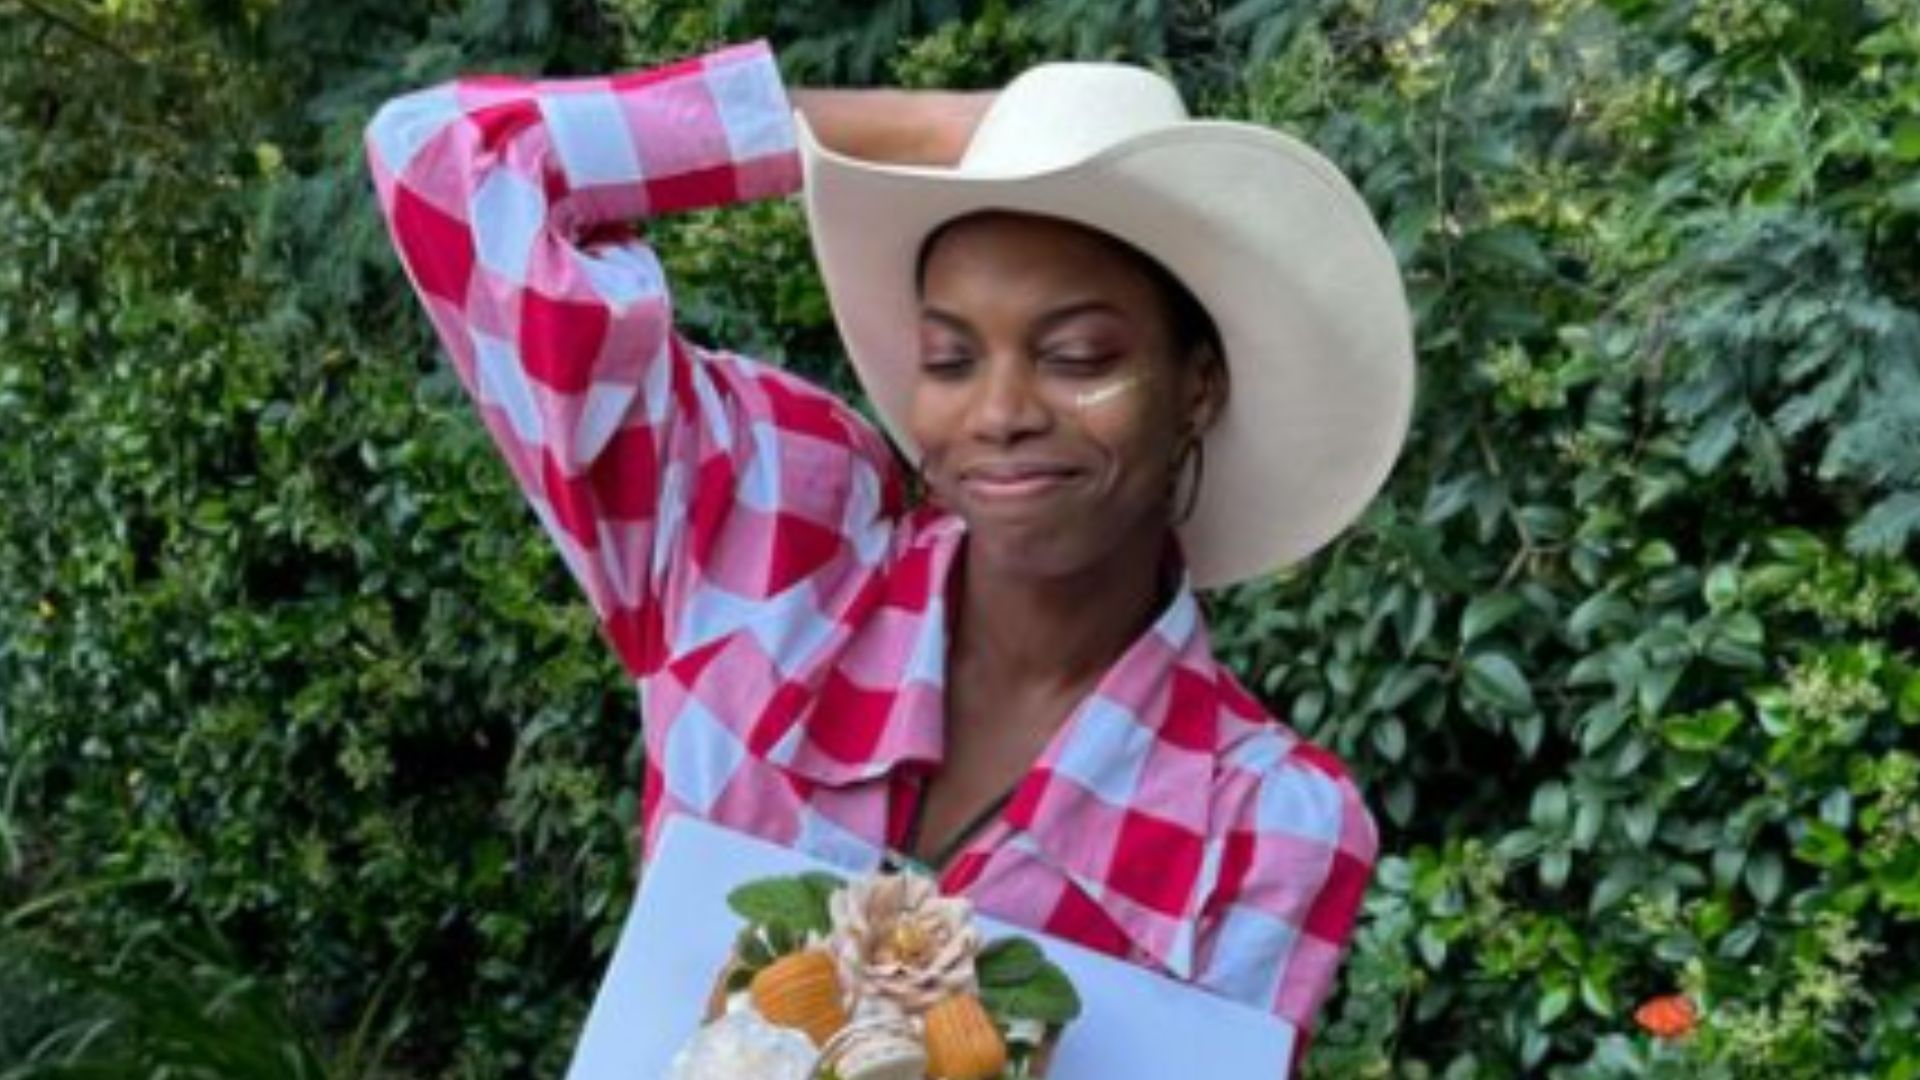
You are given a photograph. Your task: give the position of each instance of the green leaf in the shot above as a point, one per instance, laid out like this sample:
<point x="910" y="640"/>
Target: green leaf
<point x="1597" y="997"/>
<point x="1048" y="997"/>
<point x="1009" y="961"/>
<point x="1613" y="888"/>
<point x="1717" y="438"/>
<point x="752" y="950"/>
<point x="1596" y="611"/>
<point x="1519" y="845"/>
<point x="1389" y="737"/>
<point x="1909" y="704"/>
<point x="1394" y="874"/>
<point x="1599" y="724"/>
<point x="1905" y="142"/>
<point x="1905" y="197"/>
<point x="1534" y="1047"/>
<point x="1595" y="669"/>
<point x="1495" y="679"/>
<point x="1703" y="731"/>
<point x="1739" y="941"/>
<point x="1887" y="526"/>
<point x="1400" y="800"/>
<point x="1765" y="875"/>
<point x="1432" y="947"/>
<point x="1486" y="613"/>
<point x="1655" y="555"/>
<point x="1728" y="861"/>
<point x="823" y="885"/>
<point x="791" y="905"/>
<point x="1589" y="817"/>
<point x="1736" y="641"/>
<point x="1796" y="546"/>
<point x="1639" y="821"/>
<point x="1552" y="1006"/>
<point x="1836" y="809"/>
<point x="1722" y="588"/>
<point x="1823" y="846"/>
<point x="1551" y="806"/>
<point x="1528" y="731"/>
<point x="1655" y="686"/>
<point x="1555" y="865"/>
<point x="1509" y="247"/>
<point x="1400" y="685"/>
<point x="783" y="939"/>
<point x="1415" y="622"/>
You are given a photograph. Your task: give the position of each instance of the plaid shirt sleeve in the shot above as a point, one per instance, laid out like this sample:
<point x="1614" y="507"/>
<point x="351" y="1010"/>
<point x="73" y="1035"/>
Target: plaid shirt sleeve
<point x="1295" y="867"/>
<point x="657" y="468"/>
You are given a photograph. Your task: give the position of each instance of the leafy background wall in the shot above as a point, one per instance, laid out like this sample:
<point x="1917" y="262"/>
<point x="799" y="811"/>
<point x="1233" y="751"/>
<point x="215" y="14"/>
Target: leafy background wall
<point x="305" y="739"/>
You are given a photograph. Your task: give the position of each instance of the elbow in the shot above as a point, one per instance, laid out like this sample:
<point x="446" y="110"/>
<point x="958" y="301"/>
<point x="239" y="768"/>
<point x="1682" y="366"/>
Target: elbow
<point x="402" y="126"/>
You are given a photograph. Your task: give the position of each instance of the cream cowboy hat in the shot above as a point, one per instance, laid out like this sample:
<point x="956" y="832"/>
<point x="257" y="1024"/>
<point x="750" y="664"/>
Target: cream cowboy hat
<point x="1265" y="232"/>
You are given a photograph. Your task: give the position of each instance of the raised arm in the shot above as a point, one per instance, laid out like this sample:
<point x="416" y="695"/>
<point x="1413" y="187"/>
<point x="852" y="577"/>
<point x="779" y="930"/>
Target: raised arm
<point x="507" y="201"/>
<point x="668" y="476"/>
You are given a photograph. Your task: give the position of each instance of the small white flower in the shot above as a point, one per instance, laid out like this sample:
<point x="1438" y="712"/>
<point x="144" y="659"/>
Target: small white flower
<point x="742" y="1046"/>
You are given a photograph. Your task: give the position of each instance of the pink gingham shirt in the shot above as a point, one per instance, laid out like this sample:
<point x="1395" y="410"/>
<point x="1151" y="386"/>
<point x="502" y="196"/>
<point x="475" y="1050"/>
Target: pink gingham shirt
<point x="744" y="540"/>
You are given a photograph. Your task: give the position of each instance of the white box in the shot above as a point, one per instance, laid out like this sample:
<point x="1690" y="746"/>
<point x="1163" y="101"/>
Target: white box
<point x="1134" y="1024"/>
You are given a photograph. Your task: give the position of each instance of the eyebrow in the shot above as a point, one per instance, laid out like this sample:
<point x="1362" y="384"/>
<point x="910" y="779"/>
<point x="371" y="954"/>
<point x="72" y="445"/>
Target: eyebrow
<point x="1045" y="322"/>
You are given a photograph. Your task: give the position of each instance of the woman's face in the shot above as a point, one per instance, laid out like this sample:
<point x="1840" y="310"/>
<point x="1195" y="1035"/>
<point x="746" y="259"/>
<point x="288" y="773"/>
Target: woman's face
<point x="1051" y="405"/>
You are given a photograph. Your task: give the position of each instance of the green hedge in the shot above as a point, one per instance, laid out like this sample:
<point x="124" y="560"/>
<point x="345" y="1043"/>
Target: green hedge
<point x="1625" y="657"/>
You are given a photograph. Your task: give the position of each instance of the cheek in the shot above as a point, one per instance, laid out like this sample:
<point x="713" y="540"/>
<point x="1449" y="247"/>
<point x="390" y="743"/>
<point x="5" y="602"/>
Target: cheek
<point x="1136" y="431"/>
<point x="932" y="420"/>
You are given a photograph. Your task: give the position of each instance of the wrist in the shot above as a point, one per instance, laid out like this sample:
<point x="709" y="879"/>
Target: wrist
<point x="901" y="127"/>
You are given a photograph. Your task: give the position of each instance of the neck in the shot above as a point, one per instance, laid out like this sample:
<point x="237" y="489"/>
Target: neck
<point x="1057" y="632"/>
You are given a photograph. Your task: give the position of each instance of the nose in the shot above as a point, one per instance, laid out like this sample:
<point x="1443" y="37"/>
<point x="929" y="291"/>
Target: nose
<point x="1007" y="403"/>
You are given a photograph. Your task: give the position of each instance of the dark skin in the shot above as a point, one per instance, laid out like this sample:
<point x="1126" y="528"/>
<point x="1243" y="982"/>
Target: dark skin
<point x="1051" y="408"/>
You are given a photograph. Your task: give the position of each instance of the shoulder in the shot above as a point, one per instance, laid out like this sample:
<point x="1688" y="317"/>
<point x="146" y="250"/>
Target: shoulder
<point x="1285" y="805"/>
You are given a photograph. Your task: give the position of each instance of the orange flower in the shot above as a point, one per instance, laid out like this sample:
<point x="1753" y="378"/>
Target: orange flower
<point x="1669" y="1017"/>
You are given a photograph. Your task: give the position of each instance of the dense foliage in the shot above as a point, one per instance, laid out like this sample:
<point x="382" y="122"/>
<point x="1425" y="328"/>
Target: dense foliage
<point x="294" y="700"/>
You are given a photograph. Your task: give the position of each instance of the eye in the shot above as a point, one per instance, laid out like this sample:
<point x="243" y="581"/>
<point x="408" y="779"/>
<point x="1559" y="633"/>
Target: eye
<point x="946" y="363"/>
<point x="1079" y="360"/>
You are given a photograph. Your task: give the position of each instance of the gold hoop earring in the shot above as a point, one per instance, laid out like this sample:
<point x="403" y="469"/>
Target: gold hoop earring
<point x="1192" y="459"/>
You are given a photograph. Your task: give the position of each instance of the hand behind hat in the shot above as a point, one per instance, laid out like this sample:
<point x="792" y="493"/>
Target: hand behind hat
<point x="898" y="127"/>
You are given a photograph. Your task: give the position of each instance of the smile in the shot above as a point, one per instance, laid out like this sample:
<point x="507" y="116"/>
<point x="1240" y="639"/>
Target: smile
<point x="1016" y="482"/>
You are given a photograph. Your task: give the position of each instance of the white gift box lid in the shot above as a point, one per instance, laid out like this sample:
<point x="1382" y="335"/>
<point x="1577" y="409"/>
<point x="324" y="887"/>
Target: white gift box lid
<point x="1134" y="1024"/>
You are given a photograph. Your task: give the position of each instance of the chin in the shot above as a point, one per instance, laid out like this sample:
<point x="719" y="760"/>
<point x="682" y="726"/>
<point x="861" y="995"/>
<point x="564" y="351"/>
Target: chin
<point x="1035" y="553"/>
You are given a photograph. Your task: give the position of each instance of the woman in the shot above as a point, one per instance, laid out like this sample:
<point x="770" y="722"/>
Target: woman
<point x="1129" y="354"/>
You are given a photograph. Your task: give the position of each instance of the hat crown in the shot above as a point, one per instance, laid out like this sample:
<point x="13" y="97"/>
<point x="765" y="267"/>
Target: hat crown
<point x="1057" y="115"/>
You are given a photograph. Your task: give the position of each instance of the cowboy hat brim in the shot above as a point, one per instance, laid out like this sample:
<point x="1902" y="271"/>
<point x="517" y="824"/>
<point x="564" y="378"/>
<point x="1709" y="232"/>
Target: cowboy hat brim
<point x="1266" y="233"/>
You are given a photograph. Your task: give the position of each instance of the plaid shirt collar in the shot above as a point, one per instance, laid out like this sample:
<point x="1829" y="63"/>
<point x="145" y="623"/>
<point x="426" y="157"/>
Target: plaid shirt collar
<point x="1165" y="682"/>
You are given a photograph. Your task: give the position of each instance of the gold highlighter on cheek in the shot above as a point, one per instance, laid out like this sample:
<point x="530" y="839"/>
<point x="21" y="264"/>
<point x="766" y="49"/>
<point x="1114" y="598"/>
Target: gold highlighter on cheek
<point x="1100" y="395"/>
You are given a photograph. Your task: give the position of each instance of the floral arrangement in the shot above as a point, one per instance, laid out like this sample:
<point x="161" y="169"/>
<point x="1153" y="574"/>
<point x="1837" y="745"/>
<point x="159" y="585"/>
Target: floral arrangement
<point x="878" y="979"/>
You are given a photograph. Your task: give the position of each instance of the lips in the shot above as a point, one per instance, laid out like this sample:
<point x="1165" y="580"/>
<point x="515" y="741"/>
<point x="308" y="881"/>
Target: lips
<point x="1016" y="480"/>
